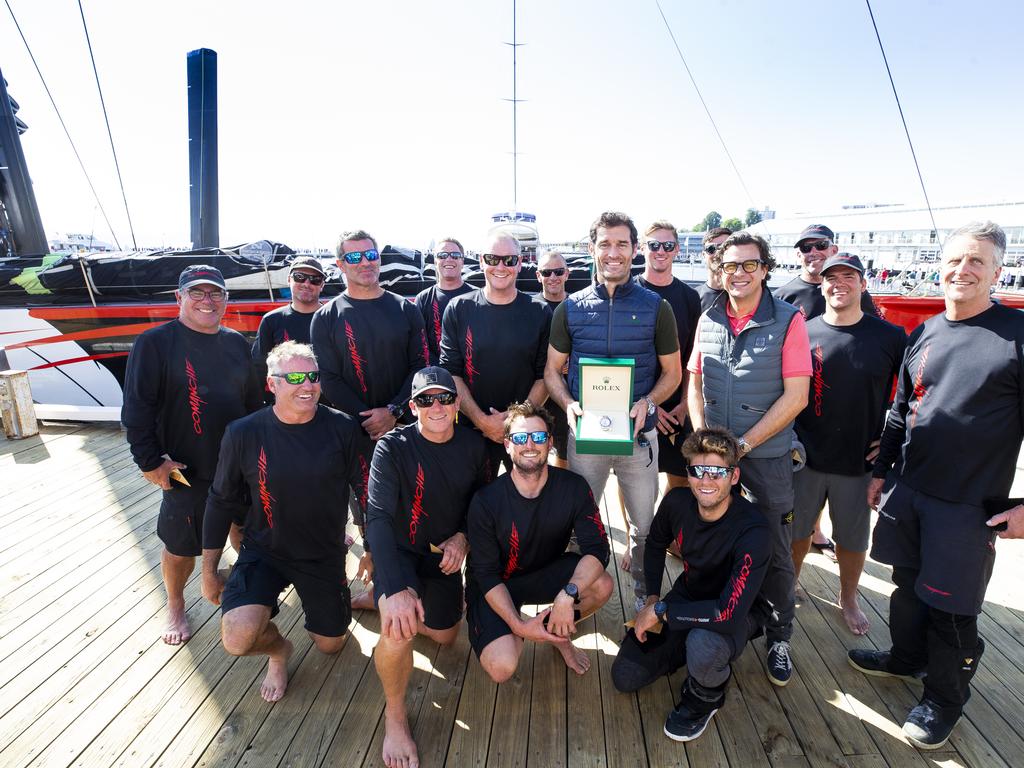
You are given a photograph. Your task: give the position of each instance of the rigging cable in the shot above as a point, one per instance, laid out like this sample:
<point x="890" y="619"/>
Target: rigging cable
<point x="106" y="119"/>
<point x="63" y="124"/>
<point x="707" y="111"/>
<point x="906" y="130"/>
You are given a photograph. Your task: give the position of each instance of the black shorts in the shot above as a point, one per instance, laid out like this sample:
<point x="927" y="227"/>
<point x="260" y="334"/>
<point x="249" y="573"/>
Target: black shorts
<point x="496" y="456"/>
<point x="258" y="579"/>
<point x="538" y="587"/>
<point x="179" y="524"/>
<point x="440" y="593"/>
<point x="559" y="430"/>
<point x="670" y="451"/>
<point x="947" y="543"/>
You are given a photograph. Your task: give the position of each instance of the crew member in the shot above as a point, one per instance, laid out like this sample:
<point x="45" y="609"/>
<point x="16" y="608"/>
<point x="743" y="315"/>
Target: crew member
<point x="186" y="380"/>
<point x="947" y="461"/>
<point x="493" y="342"/>
<point x="713" y="608"/>
<point x="449" y="258"/>
<point x="552" y="274"/>
<point x="712" y="287"/>
<point x="287" y="469"/>
<point x="519" y="528"/>
<point x="855" y="357"/>
<point x="306" y="278"/>
<point x="749" y="372"/>
<point x="659" y="246"/>
<point x="616" y="317"/>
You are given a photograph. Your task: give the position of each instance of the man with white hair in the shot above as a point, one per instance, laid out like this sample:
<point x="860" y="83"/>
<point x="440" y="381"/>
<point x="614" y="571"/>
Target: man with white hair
<point x="287" y="469"/>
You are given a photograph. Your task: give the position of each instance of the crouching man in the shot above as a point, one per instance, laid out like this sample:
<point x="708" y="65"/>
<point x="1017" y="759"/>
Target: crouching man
<point x="706" y="618"/>
<point x="287" y="469"/>
<point x="519" y="528"/>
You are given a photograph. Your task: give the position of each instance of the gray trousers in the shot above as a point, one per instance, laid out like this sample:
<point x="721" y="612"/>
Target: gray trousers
<point x="638" y="478"/>
<point x="769" y="484"/>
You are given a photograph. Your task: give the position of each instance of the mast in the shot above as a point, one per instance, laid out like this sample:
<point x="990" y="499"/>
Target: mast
<point x="202" y="148"/>
<point x="17" y="199"/>
<point x="515" y="105"/>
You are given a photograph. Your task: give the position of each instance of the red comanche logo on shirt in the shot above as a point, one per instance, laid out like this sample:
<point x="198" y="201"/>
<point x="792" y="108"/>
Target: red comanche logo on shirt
<point x="470" y="370"/>
<point x="919" y="389"/>
<point x="437" y="323"/>
<point x="266" y="500"/>
<point x="819" y="379"/>
<point x="513" y="554"/>
<point x="738" y="585"/>
<point x="595" y="517"/>
<point x="193" y="397"/>
<point x="417" y="506"/>
<point x="426" y="347"/>
<point x="353" y="353"/>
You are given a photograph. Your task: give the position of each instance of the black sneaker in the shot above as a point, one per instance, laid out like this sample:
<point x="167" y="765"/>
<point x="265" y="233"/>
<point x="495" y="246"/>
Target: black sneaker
<point x="878" y="663"/>
<point x="928" y="725"/>
<point x="780" y="667"/>
<point x="685" y="725"/>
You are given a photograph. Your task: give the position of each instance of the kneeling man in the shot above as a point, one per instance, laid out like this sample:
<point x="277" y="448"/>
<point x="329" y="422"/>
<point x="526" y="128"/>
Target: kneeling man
<point x="519" y="528"/>
<point x="287" y="470"/>
<point x="713" y="608"/>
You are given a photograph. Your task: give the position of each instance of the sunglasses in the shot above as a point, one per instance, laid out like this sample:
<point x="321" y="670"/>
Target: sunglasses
<point x="298" y="377"/>
<point x="557" y="272"/>
<point x="656" y="245"/>
<point x="354" y="257"/>
<point x="821" y="245"/>
<point x="425" y="401"/>
<point x="519" y="438"/>
<point x="700" y="471"/>
<point x="711" y="248"/>
<point x="750" y="265"/>
<point x="302" y="277"/>
<point x="441" y="255"/>
<point x="493" y="260"/>
<point x="198" y="294"/>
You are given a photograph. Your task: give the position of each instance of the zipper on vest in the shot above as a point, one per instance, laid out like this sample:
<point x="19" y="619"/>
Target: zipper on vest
<point x="611" y="313"/>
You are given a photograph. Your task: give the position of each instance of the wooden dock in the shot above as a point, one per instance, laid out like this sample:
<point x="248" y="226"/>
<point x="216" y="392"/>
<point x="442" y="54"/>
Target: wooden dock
<point x="85" y="680"/>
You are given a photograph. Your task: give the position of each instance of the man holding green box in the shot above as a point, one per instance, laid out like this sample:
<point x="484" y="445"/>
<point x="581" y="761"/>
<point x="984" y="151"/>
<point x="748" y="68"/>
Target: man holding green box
<point x="617" y="319"/>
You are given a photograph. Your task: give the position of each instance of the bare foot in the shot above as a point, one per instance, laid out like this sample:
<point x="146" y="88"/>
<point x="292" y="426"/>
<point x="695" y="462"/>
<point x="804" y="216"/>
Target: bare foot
<point x="364" y="601"/>
<point x="177" y="631"/>
<point x="854" y="616"/>
<point x="276" y="681"/>
<point x="399" y="748"/>
<point x="574" y="658"/>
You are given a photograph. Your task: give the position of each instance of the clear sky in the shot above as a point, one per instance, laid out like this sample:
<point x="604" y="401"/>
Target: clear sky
<point x="389" y="115"/>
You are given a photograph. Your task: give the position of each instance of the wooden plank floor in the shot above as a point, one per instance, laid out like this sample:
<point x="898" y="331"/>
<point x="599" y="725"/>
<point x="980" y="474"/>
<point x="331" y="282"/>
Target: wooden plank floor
<point x="85" y="681"/>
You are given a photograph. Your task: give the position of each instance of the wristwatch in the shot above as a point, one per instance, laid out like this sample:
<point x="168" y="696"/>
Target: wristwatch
<point x="744" y="447"/>
<point x="572" y="591"/>
<point x="651" y="407"/>
<point x="660" y="608"/>
<point x="396" y="411"/>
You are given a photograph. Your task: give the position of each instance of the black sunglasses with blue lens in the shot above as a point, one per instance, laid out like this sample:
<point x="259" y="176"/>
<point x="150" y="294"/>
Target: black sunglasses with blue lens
<point x="519" y="438"/>
<point x="354" y="257"/>
<point x="700" y="471"/>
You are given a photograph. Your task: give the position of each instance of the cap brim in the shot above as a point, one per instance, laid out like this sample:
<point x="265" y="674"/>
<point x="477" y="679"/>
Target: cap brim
<point x="442" y="387"/>
<point x="308" y="266"/>
<point x="203" y="281"/>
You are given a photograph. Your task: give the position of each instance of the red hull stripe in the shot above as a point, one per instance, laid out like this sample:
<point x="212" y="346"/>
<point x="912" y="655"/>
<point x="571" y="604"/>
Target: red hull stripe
<point x="107" y="332"/>
<point x="78" y="360"/>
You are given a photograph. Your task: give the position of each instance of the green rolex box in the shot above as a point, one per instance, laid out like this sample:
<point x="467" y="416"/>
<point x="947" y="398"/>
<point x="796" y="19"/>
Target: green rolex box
<point x="606" y="395"/>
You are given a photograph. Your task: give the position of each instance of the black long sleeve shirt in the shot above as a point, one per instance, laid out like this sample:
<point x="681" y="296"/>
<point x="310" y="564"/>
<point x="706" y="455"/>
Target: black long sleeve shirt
<point x="419" y="495"/>
<point x="279" y="325"/>
<point x="510" y="534"/>
<point x="685" y="303"/>
<point x="368" y="351"/>
<point x="182" y="388"/>
<point x="296" y="478"/>
<point x="854" y="367"/>
<point x="499" y="350"/>
<point x="724" y="564"/>
<point x="955" y="428"/>
<point x="432" y="303"/>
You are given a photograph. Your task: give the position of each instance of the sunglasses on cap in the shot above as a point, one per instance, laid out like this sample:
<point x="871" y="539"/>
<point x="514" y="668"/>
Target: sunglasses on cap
<point x="750" y="265"/>
<point x="354" y="257"/>
<point x="302" y="277"/>
<point x="198" y="294"/>
<point x="519" y="438"/>
<point x="557" y="272"/>
<point x="656" y="245"/>
<point x="821" y="245"/>
<point x="700" y="471"/>
<point x="441" y="255"/>
<point x="711" y="248"/>
<point x="493" y="260"/>
<point x="425" y="401"/>
<point x="298" y="377"/>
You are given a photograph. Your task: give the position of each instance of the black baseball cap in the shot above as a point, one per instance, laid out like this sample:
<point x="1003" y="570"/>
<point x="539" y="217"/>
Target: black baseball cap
<point x="198" y="274"/>
<point x="816" y="232"/>
<point x="309" y="262"/>
<point x="843" y="260"/>
<point x="432" y="377"/>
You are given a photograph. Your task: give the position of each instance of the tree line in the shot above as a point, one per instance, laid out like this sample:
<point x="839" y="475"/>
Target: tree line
<point x="714" y="219"/>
